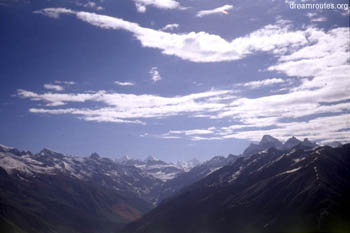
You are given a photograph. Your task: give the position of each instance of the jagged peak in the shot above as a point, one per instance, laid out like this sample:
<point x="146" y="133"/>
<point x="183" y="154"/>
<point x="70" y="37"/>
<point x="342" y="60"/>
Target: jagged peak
<point x="293" y="139"/>
<point x="151" y="158"/>
<point x="45" y="151"/>
<point x="6" y="148"/>
<point x="124" y="158"/>
<point x="194" y="160"/>
<point x="308" y="143"/>
<point x="216" y="158"/>
<point x="291" y="142"/>
<point x="268" y="139"/>
<point x="95" y="156"/>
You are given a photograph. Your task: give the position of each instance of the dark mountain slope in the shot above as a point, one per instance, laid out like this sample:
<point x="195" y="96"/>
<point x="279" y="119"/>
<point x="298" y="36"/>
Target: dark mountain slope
<point x="174" y="186"/>
<point x="49" y="192"/>
<point x="300" y="190"/>
<point x="64" y="204"/>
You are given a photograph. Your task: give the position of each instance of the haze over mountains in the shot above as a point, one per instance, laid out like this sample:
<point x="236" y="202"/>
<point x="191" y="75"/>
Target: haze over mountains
<point x="272" y="185"/>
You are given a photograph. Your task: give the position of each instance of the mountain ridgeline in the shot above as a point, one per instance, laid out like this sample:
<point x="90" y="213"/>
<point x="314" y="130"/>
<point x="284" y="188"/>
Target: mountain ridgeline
<point x="296" y="186"/>
<point x="297" y="190"/>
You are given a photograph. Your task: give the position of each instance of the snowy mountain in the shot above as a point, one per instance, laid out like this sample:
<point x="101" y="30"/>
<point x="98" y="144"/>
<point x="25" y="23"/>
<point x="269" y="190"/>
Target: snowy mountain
<point x="95" y="194"/>
<point x="268" y="141"/>
<point x="296" y="190"/>
<point x="158" y="168"/>
<point x="174" y="186"/>
<point x="50" y="192"/>
<point x="101" y="171"/>
<point x="188" y="165"/>
<point x="291" y="142"/>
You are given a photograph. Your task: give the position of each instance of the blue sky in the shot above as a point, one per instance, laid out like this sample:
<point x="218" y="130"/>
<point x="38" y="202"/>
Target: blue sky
<point x="173" y="79"/>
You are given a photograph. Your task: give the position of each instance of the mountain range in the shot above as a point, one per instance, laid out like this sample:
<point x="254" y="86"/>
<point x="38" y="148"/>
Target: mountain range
<point x="270" y="186"/>
<point x="297" y="190"/>
<point x="268" y="141"/>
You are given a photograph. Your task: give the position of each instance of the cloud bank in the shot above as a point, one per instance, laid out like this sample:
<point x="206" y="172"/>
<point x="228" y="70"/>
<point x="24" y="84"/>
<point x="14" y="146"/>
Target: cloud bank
<point x="198" y="46"/>
<point x="318" y="106"/>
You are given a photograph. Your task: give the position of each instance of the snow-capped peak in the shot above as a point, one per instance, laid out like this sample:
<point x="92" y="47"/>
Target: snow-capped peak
<point x="5" y="148"/>
<point x="271" y="141"/>
<point x="188" y="165"/>
<point x="151" y="158"/>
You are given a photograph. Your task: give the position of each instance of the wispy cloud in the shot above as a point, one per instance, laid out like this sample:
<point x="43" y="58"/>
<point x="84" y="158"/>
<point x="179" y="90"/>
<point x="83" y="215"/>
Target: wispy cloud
<point x="319" y="19"/>
<point x="220" y="10"/>
<point x="155" y="76"/>
<point x="91" y="5"/>
<point x="322" y="129"/>
<point x="69" y="83"/>
<point x="192" y="132"/>
<point x="54" y="12"/>
<point x="314" y="17"/>
<point x="262" y="83"/>
<point x="128" y="107"/>
<point x="53" y="87"/>
<point x="170" y="27"/>
<point x="317" y="106"/>
<point x="124" y="83"/>
<point x="161" y="4"/>
<point x="199" y="46"/>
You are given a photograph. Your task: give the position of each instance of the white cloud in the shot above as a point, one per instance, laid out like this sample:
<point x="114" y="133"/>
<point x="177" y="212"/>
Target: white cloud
<point x="161" y="4"/>
<point x="201" y="46"/>
<point x="54" y="12"/>
<point x="140" y="8"/>
<point x="53" y="87"/>
<point x="262" y="83"/>
<point x="315" y="18"/>
<point x="319" y="19"/>
<point x="192" y="132"/>
<point x="220" y="10"/>
<point x="321" y="96"/>
<point x="321" y="129"/>
<point x="170" y="27"/>
<point x="155" y="76"/>
<point x="127" y="107"/>
<point x="311" y="14"/>
<point x="124" y="83"/>
<point x="69" y="83"/>
<point x="318" y="58"/>
<point x="90" y="4"/>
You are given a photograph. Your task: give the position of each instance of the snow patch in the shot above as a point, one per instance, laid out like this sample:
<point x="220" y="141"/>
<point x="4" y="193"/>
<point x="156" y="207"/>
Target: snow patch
<point x="290" y="171"/>
<point x="213" y="170"/>
<point x="316" y="173"/>
<point x="235" y="175"/>
<point x="299" y="159"/>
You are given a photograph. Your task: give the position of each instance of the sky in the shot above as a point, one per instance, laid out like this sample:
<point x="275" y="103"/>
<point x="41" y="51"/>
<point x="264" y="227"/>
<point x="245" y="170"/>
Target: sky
<point x="174" y="79"/>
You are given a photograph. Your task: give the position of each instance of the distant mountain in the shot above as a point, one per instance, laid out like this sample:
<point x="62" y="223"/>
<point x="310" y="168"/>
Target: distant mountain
<point x="179" y="175"/>
<point x="157" y="168"/>
<point x="188" y="165"/>
<point x="298" y="190"/>
<point x="291" y="142"/>
<point x="334" y="144"/>
<point x="268" y="141"/>
<point x="174" y="186"/>
<point x="51" y="192"/>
